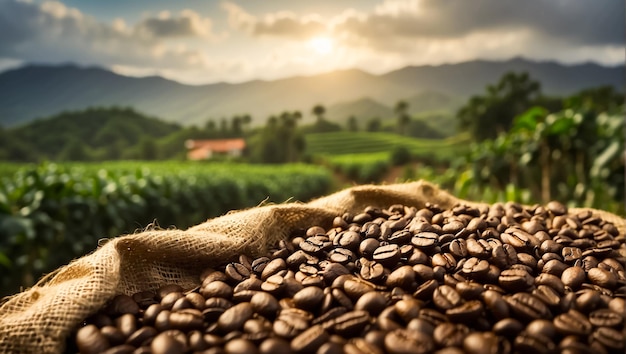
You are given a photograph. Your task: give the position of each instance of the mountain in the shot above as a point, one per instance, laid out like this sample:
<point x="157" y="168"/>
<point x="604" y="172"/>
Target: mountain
<point x="36" y="91"/>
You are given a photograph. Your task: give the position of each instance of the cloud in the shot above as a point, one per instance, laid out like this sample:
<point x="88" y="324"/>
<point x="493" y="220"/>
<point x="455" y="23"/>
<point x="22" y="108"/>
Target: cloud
<point x="53" y="32"/>
<point x="187" y="24"/>
<point x="398" y="24"/>
<point x="282" y="23"/>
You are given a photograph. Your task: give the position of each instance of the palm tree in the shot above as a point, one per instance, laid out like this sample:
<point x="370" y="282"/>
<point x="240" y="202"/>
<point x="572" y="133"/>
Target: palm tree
<point x="403" y="118"/>
<point x="319" y="110"/>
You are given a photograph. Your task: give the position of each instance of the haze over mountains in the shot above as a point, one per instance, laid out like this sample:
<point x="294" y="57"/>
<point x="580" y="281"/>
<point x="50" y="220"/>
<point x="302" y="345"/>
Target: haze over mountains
<point x="37" y="91"/>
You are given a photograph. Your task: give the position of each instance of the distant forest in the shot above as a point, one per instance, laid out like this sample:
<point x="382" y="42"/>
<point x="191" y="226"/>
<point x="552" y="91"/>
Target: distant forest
<point x="114" y="133"/>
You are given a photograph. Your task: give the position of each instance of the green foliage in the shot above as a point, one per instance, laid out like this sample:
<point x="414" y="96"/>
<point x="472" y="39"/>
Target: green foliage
<point x="571" y="155"/>
<point x="491" y="114"/>
<point x="279" y="141"/>
<point x="374" y="124"/>
<point x="360" y="168"/>
<point x="52" y="213"/>
<point x="321" y="126"/>
<point x="341" y="143"/>
<point x="400" y="155"/>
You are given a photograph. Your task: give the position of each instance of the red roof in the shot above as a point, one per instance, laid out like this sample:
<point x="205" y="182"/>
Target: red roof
<point x="217" y="145"/>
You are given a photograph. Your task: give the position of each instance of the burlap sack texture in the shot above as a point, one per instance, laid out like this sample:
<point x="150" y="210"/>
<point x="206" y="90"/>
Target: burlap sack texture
<point x="42" y="317"/>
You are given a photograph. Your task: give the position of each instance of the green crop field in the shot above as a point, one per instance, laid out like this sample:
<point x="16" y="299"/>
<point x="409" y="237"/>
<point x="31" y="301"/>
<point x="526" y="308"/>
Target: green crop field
<point x="51" y="213"/>
<point x="342" y="143"/>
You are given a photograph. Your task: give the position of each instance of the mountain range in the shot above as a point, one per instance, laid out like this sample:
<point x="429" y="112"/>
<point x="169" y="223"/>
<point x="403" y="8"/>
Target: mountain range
<point x="36" y="91"/>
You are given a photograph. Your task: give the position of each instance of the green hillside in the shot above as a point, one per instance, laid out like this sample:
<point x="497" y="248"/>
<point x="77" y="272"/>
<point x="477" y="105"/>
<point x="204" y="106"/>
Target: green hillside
<point x="342" y="143"/>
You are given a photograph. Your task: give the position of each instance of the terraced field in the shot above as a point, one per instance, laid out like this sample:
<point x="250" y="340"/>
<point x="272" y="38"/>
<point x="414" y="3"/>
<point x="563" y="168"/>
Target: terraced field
<point x="342" y="143"/>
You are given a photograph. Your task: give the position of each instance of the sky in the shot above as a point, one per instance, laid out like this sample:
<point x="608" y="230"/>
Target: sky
<point x="198" y="42"/>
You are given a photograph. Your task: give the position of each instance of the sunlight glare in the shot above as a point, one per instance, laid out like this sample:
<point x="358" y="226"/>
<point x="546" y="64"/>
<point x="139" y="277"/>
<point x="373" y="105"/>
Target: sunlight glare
<point x="321" y="45"/>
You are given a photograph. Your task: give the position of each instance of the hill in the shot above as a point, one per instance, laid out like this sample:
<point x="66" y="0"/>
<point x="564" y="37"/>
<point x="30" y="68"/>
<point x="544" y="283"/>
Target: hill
<point x="105" y="133"/>
<point x="34" y="91"/>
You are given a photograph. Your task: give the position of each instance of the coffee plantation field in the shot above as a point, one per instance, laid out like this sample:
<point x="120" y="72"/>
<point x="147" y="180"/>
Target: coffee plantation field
<point x="344" y="142"/>
<point x="51" y="213"/>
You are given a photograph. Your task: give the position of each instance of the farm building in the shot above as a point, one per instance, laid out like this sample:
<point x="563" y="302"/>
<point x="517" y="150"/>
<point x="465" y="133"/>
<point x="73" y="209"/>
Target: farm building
<point x="208" y="149"/>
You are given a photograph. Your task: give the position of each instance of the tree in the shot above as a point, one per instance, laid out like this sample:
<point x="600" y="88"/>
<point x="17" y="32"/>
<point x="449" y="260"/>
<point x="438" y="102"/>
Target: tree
<point x="147" y="149"/>
<point x="404" y="119"/>
<point x="319" y="111"/>
<point x="74" y="150"/>
<point x="374" y="124"/>
<point x="493" y="112"/>
<point x="353" y="125"/>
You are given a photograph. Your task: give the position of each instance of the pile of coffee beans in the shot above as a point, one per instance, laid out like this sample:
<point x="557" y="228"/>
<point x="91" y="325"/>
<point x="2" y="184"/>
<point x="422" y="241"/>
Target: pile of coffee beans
<point x="497" y="279"/>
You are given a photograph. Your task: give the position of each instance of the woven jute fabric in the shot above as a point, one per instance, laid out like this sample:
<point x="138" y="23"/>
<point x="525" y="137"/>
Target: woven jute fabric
<point x="41" y="318"/>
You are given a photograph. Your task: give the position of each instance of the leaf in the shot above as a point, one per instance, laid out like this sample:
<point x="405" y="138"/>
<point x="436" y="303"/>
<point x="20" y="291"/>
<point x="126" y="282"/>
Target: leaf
<point x="528" y="120"/>
<point x="603" y="158"/>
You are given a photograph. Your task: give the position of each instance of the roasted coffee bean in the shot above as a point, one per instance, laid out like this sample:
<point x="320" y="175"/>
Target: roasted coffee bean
<point x="496" y="304"/>
<point x="515" y="280"/>
<point x="233" y="318"/>
<point x="572" y="322"/>
<point x="469" y="290"/>
<point x="609" y="338"/>
<point x="402" y="341"/>
<point x="548" y="295"/>
<point x="475" y="267"/>
<point x="573" y="277"/>
<point x="485" y="342"/>
<point x="534" y="343"/>
<point x="497" y="278"/>
<point x="466" y="312"/>
<point x="350" y="324"/>
<point x="508" y="327"/>
<point x="387" y="255"/>
<point x="403" y="277"/>
<point x="602" y="277"/>
<point x="308" y="298"/>
<point x="425" y="240"/>
<point x="450" y="334"/>
<point x="89" y="340"/>
<point x="348" y="239"/>
<point x="606" y="318"/>
<point x="371" y="270"/>
<point x="528" y="307"/>
<point x="445" y="297"/>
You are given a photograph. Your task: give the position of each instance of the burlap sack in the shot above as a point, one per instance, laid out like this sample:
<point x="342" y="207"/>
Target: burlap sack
<point x="42" y="317"/>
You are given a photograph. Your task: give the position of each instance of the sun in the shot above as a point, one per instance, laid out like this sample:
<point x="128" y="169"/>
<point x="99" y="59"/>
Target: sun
<point x="321" y="45"/>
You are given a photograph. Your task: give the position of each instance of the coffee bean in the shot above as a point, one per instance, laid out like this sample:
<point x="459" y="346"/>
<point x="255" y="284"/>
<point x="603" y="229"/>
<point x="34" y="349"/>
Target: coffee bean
<point x="371" y="270"/>
<point x="348" y="239"/>
<point x="475" y="267"/>
<point x="408" y="308"/>
<point x="515" y="280"/>
<point x="445" y="297"/>
<point x="445" y="260"/>
<point x="605" y="318"/>
<point x="113" y="335"/>
<point x="351" y="323"/>
<point x="485" y="342"/>
<point x="534" y="343"/>
<point x="166" y="344"/>
<point x="425" y="240"/>
<point x="233" y="318"/>
<point x="274" y="345"/>
<point x="496" y="304"/>
<point x="236" y="272"/>
<point x="602" y="277"/>
<point x="609" y="337"/>
<point x="573" y="277"/>
<point x="310" y="340"/>
<point x="360" y="346"/>
<point x="450" y="335"/>
<point x="315" y="244"/>
<point x="572" y="322"/>
<point x="308" y="298"/>
<point x="240" y="346"/>
<point x="556" y="208"/>
<point x="89" y="340"/>
<point x="216" y="289"/>
<point x="403" y="277"/>
<point x="527" y="307"/>
<point x="387" y="255"/>
<point x="469" y="290"/>
<point x="508" y="327"/>
<point x="402" y="341"/>
<point x="466" y="312"/>
<point x="548" y="295"/>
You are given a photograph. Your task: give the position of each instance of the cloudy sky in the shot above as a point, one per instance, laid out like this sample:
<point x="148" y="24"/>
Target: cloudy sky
<point x="202" y="41"/>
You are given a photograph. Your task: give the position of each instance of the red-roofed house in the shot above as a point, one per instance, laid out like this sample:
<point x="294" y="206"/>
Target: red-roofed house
<point x="208" y="149"/>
